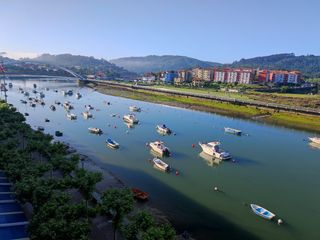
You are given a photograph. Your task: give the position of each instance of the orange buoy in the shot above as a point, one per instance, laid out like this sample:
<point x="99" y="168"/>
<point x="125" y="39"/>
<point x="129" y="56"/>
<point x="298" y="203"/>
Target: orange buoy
<point x="115" y="126"/>
<point x="193" y="145"/>
<point x="177" y="173"/>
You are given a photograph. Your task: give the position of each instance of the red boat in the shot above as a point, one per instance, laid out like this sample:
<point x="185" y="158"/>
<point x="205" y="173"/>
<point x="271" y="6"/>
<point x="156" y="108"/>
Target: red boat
<point x="140" y="195"/>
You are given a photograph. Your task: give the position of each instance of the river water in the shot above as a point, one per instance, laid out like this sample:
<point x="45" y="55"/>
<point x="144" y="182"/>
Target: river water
<point x="273" y="166"/>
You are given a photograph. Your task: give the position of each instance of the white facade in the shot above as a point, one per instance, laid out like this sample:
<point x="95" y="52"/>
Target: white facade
<point x="232" y="77"/>
<point x="245" y="77"/>
<point x="219" y="76"/>
<point x="149" y="78"/>
<point x="292" y="78"/>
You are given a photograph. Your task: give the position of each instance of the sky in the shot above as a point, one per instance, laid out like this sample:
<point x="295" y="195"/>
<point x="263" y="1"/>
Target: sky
<point x="213" y="30"/>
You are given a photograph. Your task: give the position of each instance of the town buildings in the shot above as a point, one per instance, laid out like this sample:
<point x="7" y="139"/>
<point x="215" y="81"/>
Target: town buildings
<point x="202" y="76"/>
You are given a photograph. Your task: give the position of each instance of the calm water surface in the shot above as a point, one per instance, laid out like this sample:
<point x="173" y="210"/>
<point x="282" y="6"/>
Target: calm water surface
<point x="274" y="167"/>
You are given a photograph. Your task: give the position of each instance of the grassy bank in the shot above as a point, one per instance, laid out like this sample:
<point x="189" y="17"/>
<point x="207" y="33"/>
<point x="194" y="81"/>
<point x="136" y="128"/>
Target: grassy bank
<point x="288" y="119"/>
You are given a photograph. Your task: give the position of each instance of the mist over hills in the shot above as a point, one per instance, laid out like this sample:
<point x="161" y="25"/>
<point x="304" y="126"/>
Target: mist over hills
<point x="309" y="65"/>
<point x="153" y="63"/>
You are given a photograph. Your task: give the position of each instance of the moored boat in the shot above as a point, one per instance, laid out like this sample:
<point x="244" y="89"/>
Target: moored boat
<point x="89" y="107"/>
<point x="67" y="106"/>
<point x="78" y="95"/>
<point x="58" y="134"/>
<point x="139" y="194"/>
<point x="161" y="164"/>
<point x="315" y="140"/>
<point x="233" y="131"/>
<point x="163" y="129"/>
<point x="87" y="114"/>
<point x="112" y="143"/>
<point x="213" y="149"/>
<point x="134" y="109"/>
<point x="71" y="116"/>
<point x="130" y="118"/>
<point x="95" y="130"/>
<point x="52" y="107"/>
<point x="262" y="212"/>
<point x="40" y="128"/>
<point x="160" y="148"/>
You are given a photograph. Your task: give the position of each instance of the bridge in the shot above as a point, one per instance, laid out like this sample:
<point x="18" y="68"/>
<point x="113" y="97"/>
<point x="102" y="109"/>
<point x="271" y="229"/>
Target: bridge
<point x="72" y="73"/>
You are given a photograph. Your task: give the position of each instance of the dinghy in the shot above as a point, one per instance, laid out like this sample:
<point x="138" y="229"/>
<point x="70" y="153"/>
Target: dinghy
<point x="262" y="212"/>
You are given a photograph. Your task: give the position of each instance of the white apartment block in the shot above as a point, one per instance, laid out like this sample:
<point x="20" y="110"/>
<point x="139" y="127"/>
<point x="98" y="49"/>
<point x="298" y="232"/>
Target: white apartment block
<point x="232" y="76"/>
<point x="219" y="76"/>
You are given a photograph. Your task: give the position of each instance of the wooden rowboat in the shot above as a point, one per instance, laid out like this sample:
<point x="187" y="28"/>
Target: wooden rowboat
<point x="139" y="194"/>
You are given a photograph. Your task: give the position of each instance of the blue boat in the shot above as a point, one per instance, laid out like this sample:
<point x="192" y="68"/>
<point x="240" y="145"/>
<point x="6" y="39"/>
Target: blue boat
<point x="262" y="212"/>
<point x="112" y="143"/>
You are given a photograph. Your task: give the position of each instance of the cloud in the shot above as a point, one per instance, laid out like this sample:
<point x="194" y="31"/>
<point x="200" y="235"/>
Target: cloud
<point x="18" y="55"/>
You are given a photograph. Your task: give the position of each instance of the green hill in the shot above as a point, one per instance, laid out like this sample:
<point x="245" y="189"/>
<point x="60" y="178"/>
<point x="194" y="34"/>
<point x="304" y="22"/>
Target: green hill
<point x="309" y="65"/>
<point x="155" y="63"/>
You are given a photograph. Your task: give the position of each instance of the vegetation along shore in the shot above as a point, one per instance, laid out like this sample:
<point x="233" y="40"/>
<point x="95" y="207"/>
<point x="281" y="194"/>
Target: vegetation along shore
<point x="279" y="117"/>
<point x="63" y="195"/>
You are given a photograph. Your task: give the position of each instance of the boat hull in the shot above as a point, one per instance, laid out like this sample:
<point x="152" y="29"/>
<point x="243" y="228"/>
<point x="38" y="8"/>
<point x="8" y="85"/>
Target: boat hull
<point x="262" y="212"/>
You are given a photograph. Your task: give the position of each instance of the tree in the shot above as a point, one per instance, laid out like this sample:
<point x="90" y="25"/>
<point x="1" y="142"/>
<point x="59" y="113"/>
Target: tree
<point x="86" y="182"/>
<point x="117" y="203"/>
<point x="143" y="226"/>
<point x="58" y="219"/>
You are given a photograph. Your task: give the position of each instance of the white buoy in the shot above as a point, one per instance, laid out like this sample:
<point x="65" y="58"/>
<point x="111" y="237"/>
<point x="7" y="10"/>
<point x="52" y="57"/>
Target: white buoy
<point x="280" y="221"/>
<point x="216" y="188"/>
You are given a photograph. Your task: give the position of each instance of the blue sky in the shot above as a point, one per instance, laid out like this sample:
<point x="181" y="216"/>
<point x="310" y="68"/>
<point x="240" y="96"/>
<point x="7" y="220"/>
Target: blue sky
<point x="214" y="30"/>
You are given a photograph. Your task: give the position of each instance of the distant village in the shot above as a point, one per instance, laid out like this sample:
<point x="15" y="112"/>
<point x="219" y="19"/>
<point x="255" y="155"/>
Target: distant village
<point x="203" y="76"/>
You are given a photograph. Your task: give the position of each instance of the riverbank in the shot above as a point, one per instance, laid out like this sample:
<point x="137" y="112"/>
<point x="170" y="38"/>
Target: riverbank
<point x="278" y="117"/>
<point x="57" y="186"/>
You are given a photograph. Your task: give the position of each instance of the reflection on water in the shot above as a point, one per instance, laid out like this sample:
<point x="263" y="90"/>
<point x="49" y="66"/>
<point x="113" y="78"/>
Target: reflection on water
<point x="274" y="167"/>
<point x="211" y="161"/>
<point x="314" y="145"/>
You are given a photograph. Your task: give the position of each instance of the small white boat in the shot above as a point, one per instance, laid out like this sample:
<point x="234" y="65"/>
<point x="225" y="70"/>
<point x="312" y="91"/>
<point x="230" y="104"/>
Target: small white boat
<point x="160" y="148"/>
<point x="95" y="130"/>
<point x="315" y="140"/>
<point x="52" y="107"/>
<point x="213" y="149"/>
<point x="64" y="93"/>
<point x="112" y="143"/>
<point x="262" y="212"/>
<point x="78" y="95"/>
<point x="113" y="115"/>
<point x="134" y="109"/>
<point x="26" y="94"/>
<point x="67" y="106"/>
<point x="57" y="102"/>
<point x="233" y="131"/>
<point x="163" y="129"/>
<point x="130" y="118"/>
<point x="71" y="116"/>
<point x="161" y="164"/>
<point x="89" y="107"/>
<point x="87" y="114"/>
